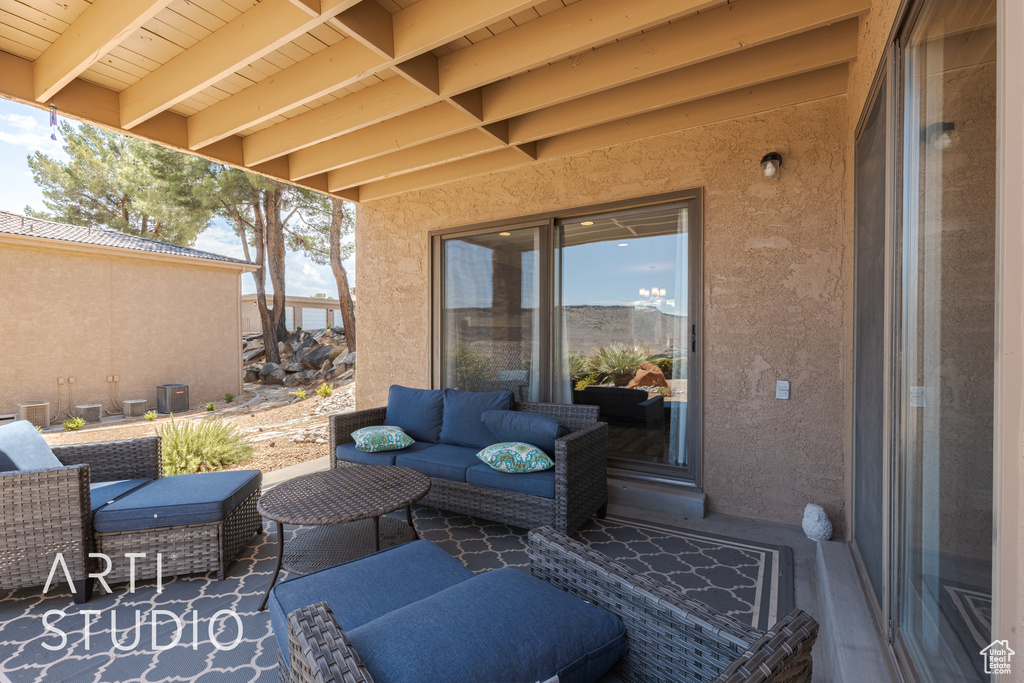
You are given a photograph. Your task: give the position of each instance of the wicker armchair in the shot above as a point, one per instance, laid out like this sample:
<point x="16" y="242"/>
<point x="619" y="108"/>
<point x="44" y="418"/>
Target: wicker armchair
<point x="671" y="638"/>
<point x="45" y="512"/>
<point x="581" y="487"/>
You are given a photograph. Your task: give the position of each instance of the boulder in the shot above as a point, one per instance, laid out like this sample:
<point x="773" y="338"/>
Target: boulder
<point x="348" y="359"/>
<point x="304" y="350"/>
<point x="283" y="350"/>
<point x="315" y="358"/>
<point x="307" y="376"/>
<point x="294" y="367"/>
<point x="648" y="375"/>
<point x="338" y="330"/>
<point x="317" y="335"/>
<point x="277" y="377"/>
<point x="292" y="381"/>
<point x="252" y="353"/>
<point x="251" y="375"/>
<point x="299" y="338"/>
<point x="268" y="368"/>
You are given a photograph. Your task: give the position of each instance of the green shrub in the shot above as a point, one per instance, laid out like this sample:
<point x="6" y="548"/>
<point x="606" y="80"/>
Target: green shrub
<point x="39" y="429"/>
<point x="619" y="361"/>
<point x="201" y="446"/>
<point x="300" y="394"/>
<point x="665" y="365"/>
<point x="228" y="398"/>
<point x="73" y="424"/>
<point x="150" y="415"/>
<point x="467" y="370"/>
<point x="324" y="390"/>
<point x="586" y="382"/>
<point x="579" y="367"/>
<point x="209" y="406"/>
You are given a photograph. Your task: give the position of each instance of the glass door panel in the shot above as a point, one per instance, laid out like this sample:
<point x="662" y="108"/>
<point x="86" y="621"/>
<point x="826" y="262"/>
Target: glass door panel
<point x="947" y="335"/>
<point x="489" y="312"/>
<point x="624" y="339"/>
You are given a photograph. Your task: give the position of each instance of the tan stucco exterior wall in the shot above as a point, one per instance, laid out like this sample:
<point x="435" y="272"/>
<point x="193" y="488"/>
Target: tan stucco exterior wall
<point x="78" y="313"/>
<point x="774" y="288"/>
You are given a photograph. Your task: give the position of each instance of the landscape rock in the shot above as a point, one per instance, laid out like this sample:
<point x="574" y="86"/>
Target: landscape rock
<point x="268" y="368"/>
<point x="292" y="381"/>
<point x="315" y="359"/>
<point x="251" y="375"/>
<point x="317" y="335"/>
<point x="276" y="377"/>
<point x="294" y="367"/>
<point x="300" y="338"/>
<point x="306" y="376"/>
<point x="349" y="359"/>
<point x="648" y="375"/>
<point x="251" y="354"/>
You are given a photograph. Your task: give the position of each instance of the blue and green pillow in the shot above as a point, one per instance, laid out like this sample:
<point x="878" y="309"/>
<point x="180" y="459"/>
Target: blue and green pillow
<point x="379" y="439"/>
<point x="515" y="457"/>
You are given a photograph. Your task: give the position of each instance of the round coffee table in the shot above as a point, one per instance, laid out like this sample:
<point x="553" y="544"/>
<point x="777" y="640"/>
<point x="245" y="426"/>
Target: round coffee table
<point x="341" y="503"/>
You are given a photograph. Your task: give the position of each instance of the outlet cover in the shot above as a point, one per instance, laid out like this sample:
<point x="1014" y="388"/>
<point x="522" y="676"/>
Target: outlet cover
<point x="782" y="389"/>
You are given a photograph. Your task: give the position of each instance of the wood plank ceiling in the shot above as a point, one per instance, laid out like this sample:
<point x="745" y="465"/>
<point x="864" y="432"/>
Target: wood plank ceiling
<point x="370" y="98"/>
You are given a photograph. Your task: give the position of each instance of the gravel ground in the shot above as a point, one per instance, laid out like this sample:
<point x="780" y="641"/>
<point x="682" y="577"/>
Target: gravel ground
<point x="284" y="430"/>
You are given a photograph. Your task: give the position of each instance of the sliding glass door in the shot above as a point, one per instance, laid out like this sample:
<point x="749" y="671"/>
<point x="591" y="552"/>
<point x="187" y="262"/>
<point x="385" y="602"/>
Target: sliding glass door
<point x="601" y="309"/>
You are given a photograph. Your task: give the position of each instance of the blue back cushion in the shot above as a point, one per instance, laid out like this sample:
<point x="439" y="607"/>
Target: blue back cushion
<point x="23" y="448"/>
<point x="462" y="410"/>
<point x="417" y="411"/>
<point x="503" y="625"/>
<point x="536" y="430"/>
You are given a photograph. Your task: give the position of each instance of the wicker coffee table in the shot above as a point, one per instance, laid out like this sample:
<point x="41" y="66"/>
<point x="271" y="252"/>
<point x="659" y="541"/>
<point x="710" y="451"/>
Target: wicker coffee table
<point x="345" y="505"/>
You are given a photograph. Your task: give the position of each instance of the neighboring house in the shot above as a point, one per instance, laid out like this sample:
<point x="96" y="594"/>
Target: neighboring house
<point x="93" y="304"/>
<point x="307" y="312"/>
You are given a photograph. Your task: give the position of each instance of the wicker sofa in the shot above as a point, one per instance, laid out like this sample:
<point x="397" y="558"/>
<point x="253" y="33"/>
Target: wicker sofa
<point x="45" y="511"/>
<point x="671" y="638"/>
<point x="580" y="472"/>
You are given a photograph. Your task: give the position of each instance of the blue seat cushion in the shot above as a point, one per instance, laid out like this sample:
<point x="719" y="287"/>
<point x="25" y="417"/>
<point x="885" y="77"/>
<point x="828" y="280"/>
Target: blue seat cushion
<point x="502" y="626"/>
<point x="513" y="425"/>
<point x="441" y="461"/>
<point x="462" y="410"/>
<point x="103" y="492"/>
<point x="531" y="483"/>
<point x="23" y="448"/>
<point x="179" y="500"/>
<point x="418" y="412"/>
<point x="362" y="590"/>
<point x="349" y="453"/>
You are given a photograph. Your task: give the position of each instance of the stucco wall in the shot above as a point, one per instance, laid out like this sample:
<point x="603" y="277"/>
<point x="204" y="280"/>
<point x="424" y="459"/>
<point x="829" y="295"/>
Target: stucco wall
<point x="774" y="287"/>
<point x="74" y="313"/>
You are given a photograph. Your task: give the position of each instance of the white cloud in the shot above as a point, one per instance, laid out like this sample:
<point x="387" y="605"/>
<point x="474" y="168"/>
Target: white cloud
<point x="31" y="132"/>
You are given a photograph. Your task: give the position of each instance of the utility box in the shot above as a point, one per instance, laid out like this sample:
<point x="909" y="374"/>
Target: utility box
<point x="38" y="413"/>
<point x="134" y="407"/>
<point x="90" y="412"/>
<point x="172" y="398"/>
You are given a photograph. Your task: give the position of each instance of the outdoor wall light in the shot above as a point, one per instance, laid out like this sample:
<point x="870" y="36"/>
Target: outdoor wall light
<point x="505" y="234"/>
<point x="939" y="135"/>
<point x="771" y="164"/>
<point x="587" y="223"/>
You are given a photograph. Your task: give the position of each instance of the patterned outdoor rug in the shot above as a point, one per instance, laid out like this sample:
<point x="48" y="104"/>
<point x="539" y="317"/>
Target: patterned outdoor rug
<point x="749" y="580"/>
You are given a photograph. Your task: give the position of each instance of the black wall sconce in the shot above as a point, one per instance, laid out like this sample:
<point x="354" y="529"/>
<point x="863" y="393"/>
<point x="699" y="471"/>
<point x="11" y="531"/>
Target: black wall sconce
<point x="771" y="166"/>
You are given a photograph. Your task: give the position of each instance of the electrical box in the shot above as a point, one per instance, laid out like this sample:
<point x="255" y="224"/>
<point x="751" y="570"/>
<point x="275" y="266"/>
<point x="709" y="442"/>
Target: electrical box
<point x="134" y="407"/>
<point x="90" y="412"/>
<point x="172" y="398"/>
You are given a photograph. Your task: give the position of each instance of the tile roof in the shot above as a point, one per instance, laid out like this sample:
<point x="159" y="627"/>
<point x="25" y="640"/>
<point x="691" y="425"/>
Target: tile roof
<point x="15" y="224"/>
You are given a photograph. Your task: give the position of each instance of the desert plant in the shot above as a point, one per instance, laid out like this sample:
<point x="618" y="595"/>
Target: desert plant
<point x="73" y="424"/>
<point x="300" y="394"/>
<point x="150" y="415"/>
<point x="39" y="429"/>
<point x="666" y="366"/>
<point x="579" y="366"/>
<point x="201" y="446"/>
<point x="228" y="398"/>
<point x="209" y="406"/>
<point x="586" y="382"/>
<point x="468" y="370"/>
<point x="619" y="361"/>
<point x="324" y="390"/>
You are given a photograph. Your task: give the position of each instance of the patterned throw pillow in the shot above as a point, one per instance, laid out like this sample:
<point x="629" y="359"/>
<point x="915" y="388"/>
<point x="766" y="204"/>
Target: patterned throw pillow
<point x="377" y="439"/>
<point x="514" y="457"/>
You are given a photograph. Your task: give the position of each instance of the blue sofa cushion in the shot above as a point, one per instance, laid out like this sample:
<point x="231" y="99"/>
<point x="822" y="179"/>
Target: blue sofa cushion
<point x="441" y="461"/>
<point x="365" y="589"/>
<point x="513" y="425"/>
<point x="103" y="492"/>
<point x="349" y="453"/>
<point x="531" y="483"/>
<point x="500" y="626"/>
<point x="178" y="500"/>
<point x="462" y="410"/>
<point x="417" y="411"/>
<point x="23" y="448"/>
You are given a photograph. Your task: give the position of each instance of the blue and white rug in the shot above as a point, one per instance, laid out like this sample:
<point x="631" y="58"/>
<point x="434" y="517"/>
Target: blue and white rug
<point x="748" y="580"/>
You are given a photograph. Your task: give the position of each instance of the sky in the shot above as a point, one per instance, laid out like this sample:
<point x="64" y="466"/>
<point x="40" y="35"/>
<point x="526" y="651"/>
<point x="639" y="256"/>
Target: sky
<point x="25" y="130"/>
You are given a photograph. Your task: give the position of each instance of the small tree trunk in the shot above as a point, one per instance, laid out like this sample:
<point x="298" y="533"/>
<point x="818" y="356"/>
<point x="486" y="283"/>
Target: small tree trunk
<point x="269" y="330"/>
<point x="276" y="256"/>
<point x="348" y="313"/>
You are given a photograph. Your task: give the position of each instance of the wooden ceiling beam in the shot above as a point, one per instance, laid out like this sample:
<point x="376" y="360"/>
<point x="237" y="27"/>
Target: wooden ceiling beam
<point x="376" y="103"/>
<point x="255" y="33"/>
<point x="423" y="125"/>
<point x="96" y="31"/>
<point x="774" y="95"/>
<point x="798" y="54"/>
<point x="310" y="78"/>
<point x="371" y="25"/>
<point x="712" y="34"/>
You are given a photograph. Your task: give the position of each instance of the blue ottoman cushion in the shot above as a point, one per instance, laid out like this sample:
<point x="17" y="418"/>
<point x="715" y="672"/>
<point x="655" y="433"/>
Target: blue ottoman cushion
<point x="502" y="626"/>
<point x="179" y="500"/>
<point x="442" y="461"/>
<point x="363" y="590"/>
<point x="23" y="448"/>
<point x="513" y="425"/>
<point x="531" y="483"/>
<point x="418" y="412"/>
<point x="349" y="453"/>
<point x="462" y="410"/>
<point x="103" y="492"/>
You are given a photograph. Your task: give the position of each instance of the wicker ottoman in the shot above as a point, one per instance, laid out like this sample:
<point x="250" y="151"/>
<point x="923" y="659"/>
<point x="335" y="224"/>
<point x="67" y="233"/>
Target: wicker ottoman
<point x="196" y="522"/>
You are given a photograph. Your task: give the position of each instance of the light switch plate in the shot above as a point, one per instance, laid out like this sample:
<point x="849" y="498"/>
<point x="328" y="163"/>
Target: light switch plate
<point x="917" y="397"/>
<point x="782" y="389"/>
